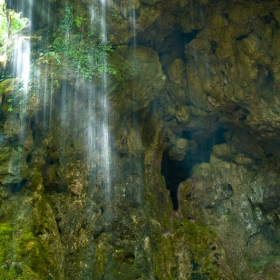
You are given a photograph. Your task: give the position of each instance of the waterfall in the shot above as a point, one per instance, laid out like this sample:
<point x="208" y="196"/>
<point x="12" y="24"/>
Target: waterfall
<point x="64" y="98"/>
<point x="63" y="124"/>
<point x="104" y="101"/>
<point x="98" y="136"/>
<point x="22" y="52"/>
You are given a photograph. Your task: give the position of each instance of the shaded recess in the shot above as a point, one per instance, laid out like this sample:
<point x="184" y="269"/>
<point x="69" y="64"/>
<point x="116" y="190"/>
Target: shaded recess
<point x="175" y="42"/>
<point x="175" y="171"/>
<point x="18" y="186"/>
<point x="172" y="45"/>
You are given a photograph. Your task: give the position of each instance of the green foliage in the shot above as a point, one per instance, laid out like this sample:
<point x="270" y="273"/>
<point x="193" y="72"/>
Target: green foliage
<point x="54" y="55"/>
<point x="114" y="13"/>
<point x="12" y="102"/>
<point x="21" y="102"/>
<point x="19" y="149"/>
<point x="10" y="23"/>
<point x="84" y="51"/>
<point x="10" y="109"/>
<point x="67" y="23"/>
<point x="79" y="21"/>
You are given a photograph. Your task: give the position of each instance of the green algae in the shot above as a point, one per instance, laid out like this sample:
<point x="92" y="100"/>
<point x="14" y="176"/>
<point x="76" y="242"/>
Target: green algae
<point x="170" y="238"/>
<point x="199" y="253"/>
<point x="14" y="251"/>
<point x="5" y="240"/>
<point x="26" y="250"/>
<point x="6" y="86"/>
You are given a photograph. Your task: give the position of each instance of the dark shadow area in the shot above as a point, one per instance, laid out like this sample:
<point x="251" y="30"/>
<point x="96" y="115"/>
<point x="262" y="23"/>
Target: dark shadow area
<point x="175" y="41"/>
<point x="175" y="171"/>
<point x="172" y="45"/>
<point x="18" y="186"/>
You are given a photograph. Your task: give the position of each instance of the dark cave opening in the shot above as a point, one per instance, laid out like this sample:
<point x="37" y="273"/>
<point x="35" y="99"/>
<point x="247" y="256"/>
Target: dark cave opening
<point x="175" y="171"/>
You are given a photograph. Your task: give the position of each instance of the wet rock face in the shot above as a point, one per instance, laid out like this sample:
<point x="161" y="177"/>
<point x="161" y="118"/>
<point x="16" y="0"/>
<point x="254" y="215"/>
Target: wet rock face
<point x="192" y="112"/>
<point x="225" y="78"/>
<point x="229" y="198"/>
<point x="238" y="198"/>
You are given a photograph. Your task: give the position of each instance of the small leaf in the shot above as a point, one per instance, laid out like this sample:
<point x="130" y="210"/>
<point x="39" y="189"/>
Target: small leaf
<point x="10" y="109"/>
<point x="19" y="149"/>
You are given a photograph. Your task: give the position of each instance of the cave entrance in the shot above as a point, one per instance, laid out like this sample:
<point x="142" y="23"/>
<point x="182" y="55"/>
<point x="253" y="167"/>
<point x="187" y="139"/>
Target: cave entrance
<point x="175" y="171"/>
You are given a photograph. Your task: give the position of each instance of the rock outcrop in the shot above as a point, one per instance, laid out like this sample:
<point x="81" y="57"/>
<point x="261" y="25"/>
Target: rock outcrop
<point x="145" y="142"/>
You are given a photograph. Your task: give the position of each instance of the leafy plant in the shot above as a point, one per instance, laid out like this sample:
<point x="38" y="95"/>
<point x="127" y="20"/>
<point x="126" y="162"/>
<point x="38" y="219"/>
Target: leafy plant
<point x="54" y="55"/>
<point x="86" y="53"/>
<point x="68" y="21"/>
<point x="19" y="149"/>
<point x="114" y="13"/>
<point x="21" y="102"/>
<point x="10" y="23"/>
<point x="79" y="21"/>
<point x="10" y="109"/>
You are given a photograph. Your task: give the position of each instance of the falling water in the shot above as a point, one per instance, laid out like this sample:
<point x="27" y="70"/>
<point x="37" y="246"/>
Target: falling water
<point x="98" y="135"/>
<point x="22" y="60"/>
<point x="61" y="100"/>
<point x="104" y="101"/>
<point x="135" y="120"/>
<point x="132" y="17"/>
<point x="22" y="49"/>
<point x="17" y="46"/>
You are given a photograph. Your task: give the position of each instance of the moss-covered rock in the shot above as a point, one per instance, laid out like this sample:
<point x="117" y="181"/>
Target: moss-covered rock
<point x="30" y="245"/>
<point x="112" y="86"/>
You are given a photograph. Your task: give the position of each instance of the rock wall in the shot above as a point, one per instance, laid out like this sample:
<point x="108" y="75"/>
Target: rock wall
<point x="187" y="185"/>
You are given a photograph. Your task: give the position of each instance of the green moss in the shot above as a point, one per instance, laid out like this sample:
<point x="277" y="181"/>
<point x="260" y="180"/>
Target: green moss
<point x="8" y="275"/>
<point x="122" y="271"/>
<point x="6" y="86"/>
<point x="26" y="244"/>
<point x="196" y="246"/>
<point x="18" y="271"/>
<point x="165" y="259"/>
<point x="28" y="247"/>
<point x="14" y="251"/>
<point x="5" y="242"/>
<point x="111" y="264"/>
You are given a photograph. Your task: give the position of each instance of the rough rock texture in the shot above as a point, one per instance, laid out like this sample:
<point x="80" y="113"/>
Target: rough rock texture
<point x="145" y="144"/>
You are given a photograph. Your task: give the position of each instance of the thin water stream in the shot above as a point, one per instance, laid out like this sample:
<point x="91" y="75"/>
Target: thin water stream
<point x="112" y="111"/>
<point x="71" y="109"/>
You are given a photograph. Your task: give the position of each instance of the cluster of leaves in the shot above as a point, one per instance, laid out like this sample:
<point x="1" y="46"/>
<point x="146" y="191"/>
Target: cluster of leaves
<point x="10" y="101"/>
<point x="10" y="23"/>
<point x="85" y="52"/>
